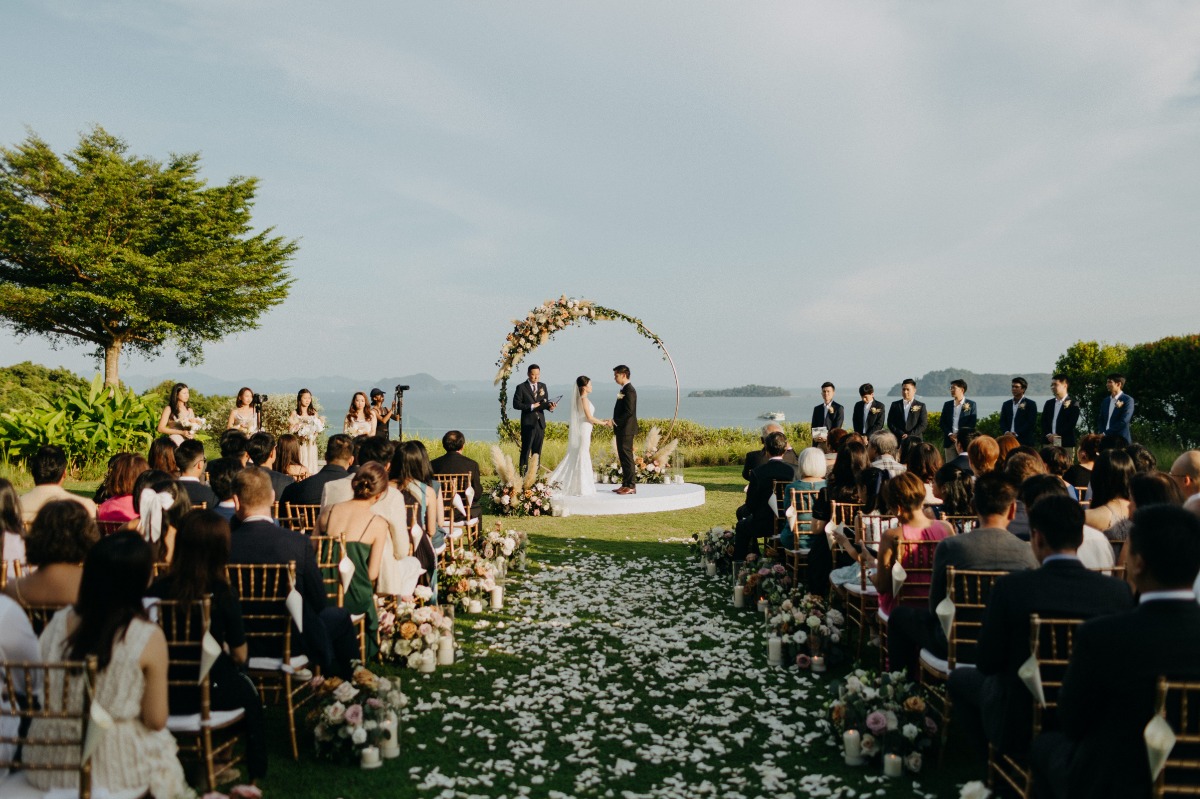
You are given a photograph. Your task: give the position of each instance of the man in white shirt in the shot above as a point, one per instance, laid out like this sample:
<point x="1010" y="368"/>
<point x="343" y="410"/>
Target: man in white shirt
<point x="957" y="413"/>
<point x="1060" y="416"/>
<point x="49" y="469"/>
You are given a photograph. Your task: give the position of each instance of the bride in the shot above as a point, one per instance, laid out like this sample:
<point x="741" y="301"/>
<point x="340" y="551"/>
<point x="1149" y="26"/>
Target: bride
<point x="574" y="473"/>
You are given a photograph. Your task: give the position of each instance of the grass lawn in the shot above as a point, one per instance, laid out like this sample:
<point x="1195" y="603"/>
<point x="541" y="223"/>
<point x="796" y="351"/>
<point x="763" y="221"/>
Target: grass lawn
<point x="617" y="669"/>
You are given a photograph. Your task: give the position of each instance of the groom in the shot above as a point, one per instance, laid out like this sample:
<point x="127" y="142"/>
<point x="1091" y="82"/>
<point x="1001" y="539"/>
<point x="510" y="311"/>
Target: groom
<point x="625" y="427"/>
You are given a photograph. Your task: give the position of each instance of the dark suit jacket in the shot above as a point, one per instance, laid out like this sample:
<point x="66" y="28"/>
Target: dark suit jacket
<point x="875" y="418"/>
<point x="968" y="417"/>
<point x="762" y="481"/>
<point x="962" y="461"/>
<point x="308" y="490"/>
<point x="986" y="549"/>
<point x="1109" y="689"/>
<point x="819" y="419"/>
<point x="1026" y="428"/>
<point x="279" y="480"/>
<point x="625" y="411"/>
<point x="457" y="463"/>
<point x="199" y="492"/>
<point x="918" y="420"/>
<point x="758" y="457"/>
<point x="264" y="542"/>
<point x="1068" y="420"/>
<point x="1119" y="426"/>
<point x="523" y="401"/>
<point x="1060" y="589"/>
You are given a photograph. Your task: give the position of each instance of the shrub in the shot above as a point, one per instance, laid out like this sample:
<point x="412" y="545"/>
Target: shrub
<point x="1164" y="379"/>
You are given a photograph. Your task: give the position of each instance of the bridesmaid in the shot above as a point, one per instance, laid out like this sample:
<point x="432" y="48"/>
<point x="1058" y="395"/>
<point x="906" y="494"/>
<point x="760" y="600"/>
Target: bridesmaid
<point x="243" y="417"/>
<point x="305" y="415"/>
<point x="360" y="419"/>
<point x="175" y="417"/>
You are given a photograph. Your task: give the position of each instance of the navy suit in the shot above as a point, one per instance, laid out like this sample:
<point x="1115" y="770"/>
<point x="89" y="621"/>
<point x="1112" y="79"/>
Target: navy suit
<point x="308" y="490"/>
<point x="829" y="421"/>
<point x="914" y="426"/>
<point x="1026" y="425"/>
<point x="968" y="417"/>
<point x="1122" y="416"/>
<point x="875" y="418"/>
<point x="756" y="518"/>
<point x="1068" y="420"/>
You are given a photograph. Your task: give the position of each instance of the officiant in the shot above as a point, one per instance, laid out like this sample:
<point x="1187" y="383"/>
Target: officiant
<point x="532" y="399"/>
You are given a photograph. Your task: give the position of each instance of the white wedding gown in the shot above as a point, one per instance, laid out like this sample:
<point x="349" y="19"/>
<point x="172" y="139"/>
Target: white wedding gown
<point x="574" y="474"/>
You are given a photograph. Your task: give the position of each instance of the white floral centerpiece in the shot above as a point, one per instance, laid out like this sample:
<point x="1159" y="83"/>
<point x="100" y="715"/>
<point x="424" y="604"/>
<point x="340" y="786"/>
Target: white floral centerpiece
<point x="805" y="625"/>
<point x="517" y="495"/>
<point x="348" y="716"/>
<point x="507" y="544"/>
<point x="652" y="461"/>
<point x="463" y="573"/>
<point x="887" y="711"/>
<point x="409" y="633"/>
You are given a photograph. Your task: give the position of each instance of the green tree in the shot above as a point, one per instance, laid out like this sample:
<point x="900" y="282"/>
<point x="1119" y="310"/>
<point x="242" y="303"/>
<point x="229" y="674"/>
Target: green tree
<point x="27" y="384"/>
<point x="121" y="251"/>
<point x="1164" y="377"/>
<point x="1086" y="364"/>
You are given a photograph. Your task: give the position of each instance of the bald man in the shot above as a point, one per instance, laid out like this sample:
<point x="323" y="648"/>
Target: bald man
<point x="1186" y="471"/>
<point x="757" y="457"/>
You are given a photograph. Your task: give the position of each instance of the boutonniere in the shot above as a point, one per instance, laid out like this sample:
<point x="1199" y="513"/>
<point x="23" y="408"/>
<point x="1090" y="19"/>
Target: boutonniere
<point x="915" y="407"/>
<point x="1066" y="403"/>
<point x="966" y="407"/>
<point x="621" y="395"/>
<point x="874" y="410"/>
<point x="1120" y="404"/>
<point x="1021" y="406"/>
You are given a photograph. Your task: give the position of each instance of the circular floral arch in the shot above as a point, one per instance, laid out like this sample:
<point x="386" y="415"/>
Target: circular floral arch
<point x="552" y="316"/>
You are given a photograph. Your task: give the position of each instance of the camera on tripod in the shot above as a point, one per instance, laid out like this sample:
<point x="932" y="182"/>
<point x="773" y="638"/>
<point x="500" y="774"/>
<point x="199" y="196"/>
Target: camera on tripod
<point x="257" y="400"/>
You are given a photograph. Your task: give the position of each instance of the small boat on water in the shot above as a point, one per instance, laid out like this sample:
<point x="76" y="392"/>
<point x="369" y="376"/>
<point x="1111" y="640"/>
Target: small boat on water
<point x="774" y="416"/>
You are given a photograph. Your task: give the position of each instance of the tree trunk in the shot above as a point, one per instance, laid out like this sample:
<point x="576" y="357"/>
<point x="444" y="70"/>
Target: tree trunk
<point x="112" y="360"/>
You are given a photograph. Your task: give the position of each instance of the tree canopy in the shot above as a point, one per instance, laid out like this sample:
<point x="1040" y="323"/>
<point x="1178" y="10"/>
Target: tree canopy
<point x="121" y="251"/>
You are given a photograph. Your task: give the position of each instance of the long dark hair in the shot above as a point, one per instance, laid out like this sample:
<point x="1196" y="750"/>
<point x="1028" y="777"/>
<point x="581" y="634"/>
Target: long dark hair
<point x="200" y="556"/>
<point x="1110" y="477"/>
<point x="237" y="401"/>
<point x="580" y="382"/>
<point x="352" y="414"/>
<point x="173" y="400"/>
<point x="10" y="510"/>
<point x="850" y="462"/>
<point x="411" y="462"/>
<point x="312" y="410"/>
<point x="115" y="575"/>
<point x="162" y="455"/>
<point x="287" y="452"/>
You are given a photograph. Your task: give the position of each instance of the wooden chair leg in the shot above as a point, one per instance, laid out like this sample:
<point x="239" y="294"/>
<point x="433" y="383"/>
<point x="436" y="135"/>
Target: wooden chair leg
<point x="291" y="714"/>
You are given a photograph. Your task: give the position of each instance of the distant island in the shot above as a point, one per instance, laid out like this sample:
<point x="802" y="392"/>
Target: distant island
<point x="751" y="390"/>
<point x="935" y="384"/>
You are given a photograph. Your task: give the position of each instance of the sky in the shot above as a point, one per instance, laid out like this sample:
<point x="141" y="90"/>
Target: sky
<point x="785" y="192"/>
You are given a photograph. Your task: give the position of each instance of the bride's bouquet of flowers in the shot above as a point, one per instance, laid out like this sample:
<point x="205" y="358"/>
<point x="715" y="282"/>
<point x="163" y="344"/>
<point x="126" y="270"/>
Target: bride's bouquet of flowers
<point x="652" y="461"/>
<point x="887" y="711"/>
<point x="517" y="495"/>
<point x="464" y="575"/>
<point x="309" y="428"/>
<point x="348" y="716"/>
<point x="409" y="634"/>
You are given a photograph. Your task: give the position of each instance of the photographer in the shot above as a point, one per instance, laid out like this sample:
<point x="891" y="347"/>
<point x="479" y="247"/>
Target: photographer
<point x="382" y="415"/>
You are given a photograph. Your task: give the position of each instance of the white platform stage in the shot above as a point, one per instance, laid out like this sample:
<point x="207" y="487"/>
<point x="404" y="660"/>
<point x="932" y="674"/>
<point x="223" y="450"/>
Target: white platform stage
<point x="648" y="499"/>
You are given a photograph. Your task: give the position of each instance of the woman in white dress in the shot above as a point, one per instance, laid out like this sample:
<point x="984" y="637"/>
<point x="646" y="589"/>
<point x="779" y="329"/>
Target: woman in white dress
<point x="177" y="418"/>
<point x="360" y="419"/>
<point x="307" y="425"/>
<point x="243" y="417"/>
<point x="574" y="473"/>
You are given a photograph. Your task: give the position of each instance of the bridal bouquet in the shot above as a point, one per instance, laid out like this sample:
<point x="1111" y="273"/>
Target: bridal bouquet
<point x="888" y="712"/>
<point x="463" y="574"/>
<point x="409" y="634"/>
<point x="517" y="495"/>
<point x="348" y="716"/>
<point x="309" y="428"/>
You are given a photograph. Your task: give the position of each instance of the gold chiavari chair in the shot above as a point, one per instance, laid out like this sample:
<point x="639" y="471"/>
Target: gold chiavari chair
<point x="770" y="541"/>
<point x="207" y="735"/>
<point x="844" y="512"/>
<point x="969" y="591"/>
<point x="1051" y="642"/>
<point x="301" y="518"/>
<point x="801" y="502"/>
<point x="330" y="551"/>
<point x="66" y="690"/>
<point x="159" y="568"/>
<point x="262" y="590"/>
<point x="917" y="559"/>
<point x="1179" y="704"/>
<point x="17" y="567"/>
<point x="961" y="524"/>
<point x="860" y="597"/>
<point x="109" y="527"/>
<point x="453" y="485"/>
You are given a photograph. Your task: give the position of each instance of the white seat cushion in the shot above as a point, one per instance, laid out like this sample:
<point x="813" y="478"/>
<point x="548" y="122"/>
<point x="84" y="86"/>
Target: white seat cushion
<point x="941" y="665"/>
<point x="216" y="720"/>
<point x="15" y="786"/>
<point x="277" y="664"/>
<point x="855" y="588"/>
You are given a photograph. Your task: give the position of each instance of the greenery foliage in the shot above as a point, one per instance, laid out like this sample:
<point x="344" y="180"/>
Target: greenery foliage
<point x="1164" y="378"/>
<point x="749" y="390"/>
<point x="213" y="407"/>
<point x="27" y="384"/>
<point x="121" y="251"/>
<point x="89" y="423"/>
<point x="1086" y="365"/>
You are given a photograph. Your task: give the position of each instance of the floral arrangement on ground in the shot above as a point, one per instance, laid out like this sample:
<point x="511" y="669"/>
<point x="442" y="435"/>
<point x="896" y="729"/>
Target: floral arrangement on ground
<point x="887" y="710"/>
<point x="508" y="544"/>
<point x="520" y="495"/>
<point x="806" y="627"/>
<point x="463" y="575"/>
<point x="410" y="634"/>
<point x="652" y="462"/>
<point x="349" y="715"/>
<point x="761" y="580"/>
<point x="714" y="545"/>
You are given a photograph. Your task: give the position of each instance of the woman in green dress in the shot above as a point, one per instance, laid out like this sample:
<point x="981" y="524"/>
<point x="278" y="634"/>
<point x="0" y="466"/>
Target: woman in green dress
<point x="364" y="533"/>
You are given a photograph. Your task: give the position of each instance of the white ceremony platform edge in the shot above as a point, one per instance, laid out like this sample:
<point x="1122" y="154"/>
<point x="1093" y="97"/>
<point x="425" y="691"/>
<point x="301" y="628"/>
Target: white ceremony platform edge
<point x="648" y="499"/>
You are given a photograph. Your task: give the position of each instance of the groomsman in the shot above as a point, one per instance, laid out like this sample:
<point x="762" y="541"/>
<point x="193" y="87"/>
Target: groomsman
<point x="828" y="414"/>
<point x="1060" y="414"/>
<point x="1116" y="410"/>
<point x="907" y="417"/>
<point x="1019" y="415"/>
<point x="868" y="412"/>
<point x="957" y="413"/>
<point x="532" y="400"/>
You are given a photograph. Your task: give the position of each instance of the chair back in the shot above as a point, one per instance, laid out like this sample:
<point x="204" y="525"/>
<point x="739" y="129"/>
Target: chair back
<point x="868" y="531"/>
<point x="262" y="590"/>
<point x="917" y="559"/>
<point x="969" y="590"/>
<point x="330" y="550"/>
<point x="454" y="484"/>
<point x="844" y="512"/>
<point x="1051" y="641"/>
<point x="40" y="615"/>
<point x="17" y="567"/>
<point x="184" y="625"/>
<point x="66" y="690"/>
<point x="1179" y="704"/>
<point x="961" y="524"/>
<point x="301" y="518"/>
<point x="109" y="527"/>
<point x="802" y="500"/>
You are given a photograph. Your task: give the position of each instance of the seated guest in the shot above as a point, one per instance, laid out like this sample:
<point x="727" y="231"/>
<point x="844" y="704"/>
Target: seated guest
<point x="1058" y="463"/>
<point x="962" y="443"/>
<point x="984" y="454"/>
<point x="289" y="458"/>
<point x="339" y="454"/>
<point x="811" y="478"/>
<point x="1006" y="444"/>
<point x="1153" y="488"/>
<point x="123" y="473"/>
<point x="198" y="570"/>
<point x="833" y="444"/>
<point x="1143" y="459"/>
<point x="160" y="502"/>
<point x="260" y="449"/>
<point x="233" y="445"/>
<point x="108" y="621"/>
<point x="454" y="462"/>
<point x="989" y="547"/>
<point x="192" y="462"/>
<point x="1109" y="511"/>
<point x="1080" y="475"/>
<point x="882" y="452"/>
<point x="953" y="487"/>
<point x="374" y="449"/>
<point x="12" y="528"/>
<point x="842" y="487"/>
<point x="411" y="474"/>
<point x="1108" y="692"/>
<point x="1019" y="467"/>
<point x="958" y="413"/>
<point x="220" y="479"/>
<point x="1095" y="552"/>
<point x="49" y="469"/>
<point x="828" y="414"/>
<point x="162" y="455"/>
<point x="755" y="518"/>
<point x="924" y="460"/>
<point x="329" y="638"/>
<point x="907" y="418"/>
<point x="758" y="457"/>
<point x="17" y="644"/>
<point x="1018" y="416"/>
<point x="1185" y="471"/>
<point x="990" y="697"/>
<point x="60" y="538"/>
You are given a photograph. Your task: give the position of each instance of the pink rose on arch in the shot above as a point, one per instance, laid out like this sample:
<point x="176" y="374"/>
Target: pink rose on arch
<point x="876" y="722"/>
<point x="803" y="661"/>
<point x="354" y="714"/>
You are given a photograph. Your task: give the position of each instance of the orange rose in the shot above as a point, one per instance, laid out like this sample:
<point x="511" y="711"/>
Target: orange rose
<point x="364" y="678"/>
<point x="915" y="704"/>
<point x="330" y="684"/>
<point x="408" y="630"/>
<point x="839" y="713"/>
